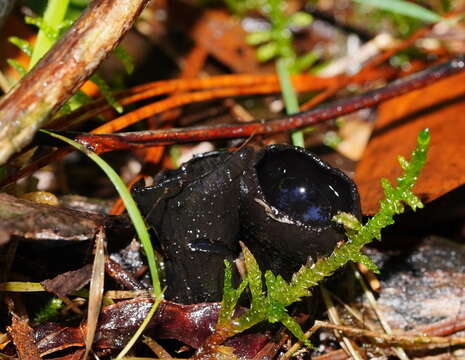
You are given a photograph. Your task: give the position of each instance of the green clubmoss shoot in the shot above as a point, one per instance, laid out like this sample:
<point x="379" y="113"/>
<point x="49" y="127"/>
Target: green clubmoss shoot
<point x="270" y="305"/>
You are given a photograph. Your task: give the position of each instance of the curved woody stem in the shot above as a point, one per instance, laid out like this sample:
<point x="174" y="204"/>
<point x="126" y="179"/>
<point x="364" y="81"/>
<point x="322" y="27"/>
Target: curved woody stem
<point x="63" y="70"/>
<point x="107" y="142"/>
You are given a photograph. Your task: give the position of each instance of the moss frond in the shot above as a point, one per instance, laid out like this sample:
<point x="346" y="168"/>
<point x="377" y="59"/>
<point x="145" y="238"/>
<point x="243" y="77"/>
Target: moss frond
<point x="271" y="304"/>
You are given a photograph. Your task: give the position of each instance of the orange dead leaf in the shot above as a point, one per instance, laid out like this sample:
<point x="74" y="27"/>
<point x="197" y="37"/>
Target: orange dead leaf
<point x="223" y="36"/>
<point x="439" y="107"/>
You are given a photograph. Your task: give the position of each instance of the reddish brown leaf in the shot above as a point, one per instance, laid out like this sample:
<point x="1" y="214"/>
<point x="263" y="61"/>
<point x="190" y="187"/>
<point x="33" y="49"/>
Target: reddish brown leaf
<point x="51" y="337"/>
<point x="23" y="337"/>
<point x="440" y="108"/>
<point x="223" y="36"/>
<point x="191" y="324"/>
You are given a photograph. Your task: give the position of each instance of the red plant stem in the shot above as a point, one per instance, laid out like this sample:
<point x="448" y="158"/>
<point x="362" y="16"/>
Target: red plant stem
<point x="107" y="142"/>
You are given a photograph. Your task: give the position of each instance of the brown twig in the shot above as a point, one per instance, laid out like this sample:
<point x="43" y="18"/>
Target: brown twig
<point x="63" y="70"/>
<point x="107" y="142"/>
<point x="238" y="84"/>
<point x="405" y="341"/>
<point x="157" y="348"/>
<point x="166" y="137"/>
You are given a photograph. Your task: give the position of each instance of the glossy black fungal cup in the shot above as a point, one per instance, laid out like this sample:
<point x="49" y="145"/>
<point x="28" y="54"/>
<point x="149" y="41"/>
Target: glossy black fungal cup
<point x="279" y="201"/>
<point x="302" y="187"/>
<point x="288" y="201"/>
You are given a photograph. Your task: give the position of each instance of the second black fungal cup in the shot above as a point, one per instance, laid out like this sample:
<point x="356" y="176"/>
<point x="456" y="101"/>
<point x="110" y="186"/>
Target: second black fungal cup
<point x="279" y="201"/>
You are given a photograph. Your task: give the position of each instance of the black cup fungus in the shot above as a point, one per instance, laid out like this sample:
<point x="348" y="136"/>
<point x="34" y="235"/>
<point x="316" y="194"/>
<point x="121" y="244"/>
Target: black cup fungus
<point x="289" y="197"/>
<point x="279" y="201"/>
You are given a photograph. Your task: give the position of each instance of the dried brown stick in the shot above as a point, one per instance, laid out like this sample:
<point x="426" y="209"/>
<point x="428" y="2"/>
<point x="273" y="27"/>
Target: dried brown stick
<point x="63" y="70"/>
<point x="405" y="341"/>
<point x="107" y="142"/>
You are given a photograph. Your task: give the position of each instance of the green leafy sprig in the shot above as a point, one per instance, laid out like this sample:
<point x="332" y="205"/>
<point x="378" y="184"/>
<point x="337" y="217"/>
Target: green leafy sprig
<point x="277" y="43"/>
<point x="271" y="304"/>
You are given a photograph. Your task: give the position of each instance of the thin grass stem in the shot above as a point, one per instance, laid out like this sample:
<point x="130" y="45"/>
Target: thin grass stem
<point x="53" y="17"/>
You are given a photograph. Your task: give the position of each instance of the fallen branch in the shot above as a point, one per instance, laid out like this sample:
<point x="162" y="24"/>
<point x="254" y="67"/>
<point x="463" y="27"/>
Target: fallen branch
<point x="405" y="341"/>
<point x="63" y="70"/>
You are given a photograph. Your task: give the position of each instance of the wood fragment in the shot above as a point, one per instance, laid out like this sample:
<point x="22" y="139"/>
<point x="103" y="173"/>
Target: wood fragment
<point x="349" y="346"/>
<point x="68" y="282"/>
<point x="405" y="341"/>
<point x="40" y="222"/>
<point x="157" y="348"/>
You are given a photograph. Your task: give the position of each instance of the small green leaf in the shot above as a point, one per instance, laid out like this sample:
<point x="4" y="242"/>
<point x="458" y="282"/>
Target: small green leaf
<point x="305" y="61"/>
<point x="300" y="19"/>
<point x="258" y="37"/>
<point x="405" y="8"/>
<point x="368" y="262"/>
<point x="349" y="221"/>
<point x="23" y="45"/>
<point x="17" y="66"/>
<point x="296" y="330"/>
<point x="267" y="52"/>
<point x="423" y="138"/>
<point x="253" y="276"/>
<point x="230" y="295"/>
<point x="105" y="90"/>
<point x="404" y="164"/>
<point x="51" y="33"/>
<point x="126" y="59"/>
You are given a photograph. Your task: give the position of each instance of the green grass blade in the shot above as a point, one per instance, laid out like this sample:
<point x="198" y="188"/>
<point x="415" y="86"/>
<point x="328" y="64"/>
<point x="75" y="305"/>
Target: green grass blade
<point x="21" y="286"/>
<point x="130" y="204"/>
<point x="53" y="17"/>
<point x="404" y="8"/>
<point x="289" y="96"/>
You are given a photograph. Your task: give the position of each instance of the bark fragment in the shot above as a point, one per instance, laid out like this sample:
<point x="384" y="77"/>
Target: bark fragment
<point x="23" y="337"/>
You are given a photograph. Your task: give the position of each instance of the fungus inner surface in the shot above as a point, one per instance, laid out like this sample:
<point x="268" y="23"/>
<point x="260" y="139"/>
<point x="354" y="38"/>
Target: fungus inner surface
<point x="302" y="188"/>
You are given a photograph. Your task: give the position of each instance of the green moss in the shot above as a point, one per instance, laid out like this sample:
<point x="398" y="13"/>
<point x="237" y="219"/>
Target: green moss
<point x="50" y="311"/>
<point x="271" y="304"/>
